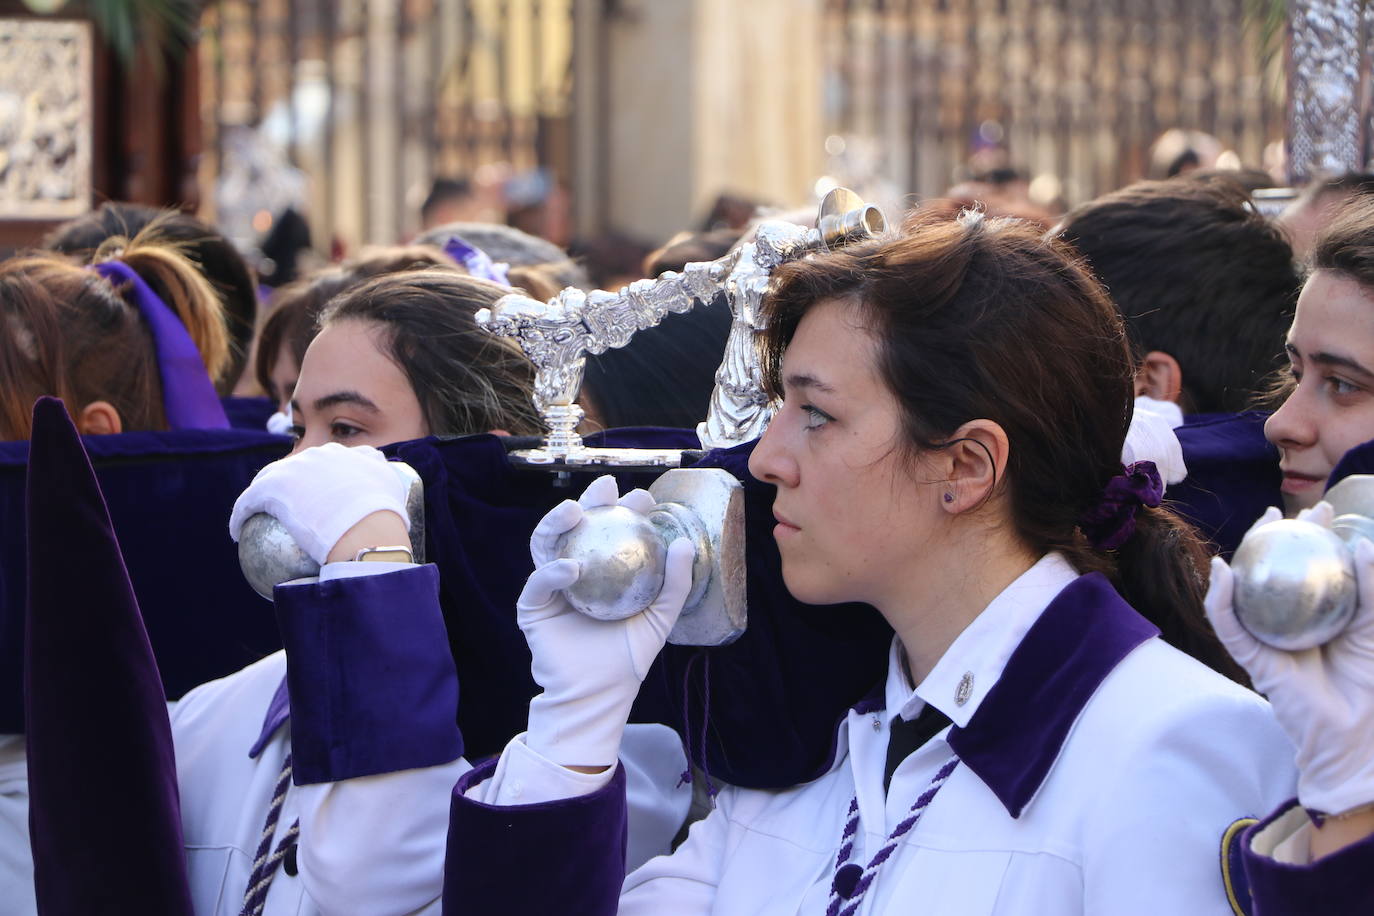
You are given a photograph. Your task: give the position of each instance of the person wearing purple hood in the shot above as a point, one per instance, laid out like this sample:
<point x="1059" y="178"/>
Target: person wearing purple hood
<point x="947" y="448"/>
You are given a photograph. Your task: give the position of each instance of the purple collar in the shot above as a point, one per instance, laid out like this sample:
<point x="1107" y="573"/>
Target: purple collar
<point x="278" y="711"/>
<point x="1015" y="736"/>
<point x="188" y="396"/>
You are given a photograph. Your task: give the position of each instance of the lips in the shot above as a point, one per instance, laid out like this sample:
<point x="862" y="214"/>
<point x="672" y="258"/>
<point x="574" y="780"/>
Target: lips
<point x="1294" y="482"/>
<point x="784" y="524"/>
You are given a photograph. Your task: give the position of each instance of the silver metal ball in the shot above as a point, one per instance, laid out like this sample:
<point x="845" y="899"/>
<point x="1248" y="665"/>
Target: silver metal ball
<point x="1295" y="584"/>
<point x="622" y="557"/>
<point x="269" y="555"/>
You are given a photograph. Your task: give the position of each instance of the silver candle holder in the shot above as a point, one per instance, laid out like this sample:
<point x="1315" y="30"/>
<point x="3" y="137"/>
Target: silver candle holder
<point x="269" y="555"/>
<point x="1295" y="580"/>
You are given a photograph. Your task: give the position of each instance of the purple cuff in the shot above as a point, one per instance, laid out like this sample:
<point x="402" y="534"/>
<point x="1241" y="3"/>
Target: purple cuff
<point x="565" y="856"/>
<point x="372" y="682"/>
<point x="1336" y="884"/>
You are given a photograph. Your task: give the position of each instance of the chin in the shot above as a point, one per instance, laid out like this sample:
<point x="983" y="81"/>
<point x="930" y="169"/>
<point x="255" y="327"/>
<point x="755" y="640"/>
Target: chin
<point x="809" y="588"/>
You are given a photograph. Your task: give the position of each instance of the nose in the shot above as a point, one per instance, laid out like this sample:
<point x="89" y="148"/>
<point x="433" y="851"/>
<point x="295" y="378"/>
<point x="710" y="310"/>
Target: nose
<point x="1293" y="425"/>
<point x="771" y="460"/>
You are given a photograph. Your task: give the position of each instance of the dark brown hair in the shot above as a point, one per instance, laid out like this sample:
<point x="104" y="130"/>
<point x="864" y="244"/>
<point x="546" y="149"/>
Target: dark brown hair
<point x="68" y="332"/>
<point x="294" y="319"/>
<point x="1347" y="244"/>
<point x="466" y="380"/>
<point x="987" y="318"/>
<point x="1197" y="273"/>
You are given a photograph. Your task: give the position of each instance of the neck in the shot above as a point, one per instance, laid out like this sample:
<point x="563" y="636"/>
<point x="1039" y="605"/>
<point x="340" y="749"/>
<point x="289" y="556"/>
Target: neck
<point x="949" y="587"/>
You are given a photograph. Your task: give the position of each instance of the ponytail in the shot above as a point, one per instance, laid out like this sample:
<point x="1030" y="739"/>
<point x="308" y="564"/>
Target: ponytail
<point x="1161" y="571"/>
<point x="180" y="284"/>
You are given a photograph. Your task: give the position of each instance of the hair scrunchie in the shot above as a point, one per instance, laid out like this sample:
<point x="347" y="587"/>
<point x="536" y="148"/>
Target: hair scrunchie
<point x="1111" y="522"/>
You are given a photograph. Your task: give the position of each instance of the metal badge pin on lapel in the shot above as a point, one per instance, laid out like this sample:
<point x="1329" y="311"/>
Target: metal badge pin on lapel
<point x="964" y="690"/>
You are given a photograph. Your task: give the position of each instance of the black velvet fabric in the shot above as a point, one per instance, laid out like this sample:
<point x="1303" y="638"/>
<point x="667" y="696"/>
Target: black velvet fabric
<point x="1233" y="476"/>
<point x="775" y="695"/>
<point x="104" y="812"/>
<point x="778" y="692"/>
<point x="169" y="496"/>
<point x="579" y="845"/>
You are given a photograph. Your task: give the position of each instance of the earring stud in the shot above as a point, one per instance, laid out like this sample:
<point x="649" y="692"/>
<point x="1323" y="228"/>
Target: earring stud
<point x="949" y="497"/>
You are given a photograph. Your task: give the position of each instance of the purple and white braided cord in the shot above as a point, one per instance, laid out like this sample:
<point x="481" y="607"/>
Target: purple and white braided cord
<point x="839" y="905"/>
<point x="266" y="861"/>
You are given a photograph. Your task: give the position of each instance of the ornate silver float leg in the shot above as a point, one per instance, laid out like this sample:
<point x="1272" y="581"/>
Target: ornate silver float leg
<point x="1327" y="116"/>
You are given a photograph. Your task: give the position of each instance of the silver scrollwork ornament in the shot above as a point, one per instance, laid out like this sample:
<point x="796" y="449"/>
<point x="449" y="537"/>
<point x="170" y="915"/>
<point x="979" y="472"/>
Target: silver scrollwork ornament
<point x="558" y="335"/>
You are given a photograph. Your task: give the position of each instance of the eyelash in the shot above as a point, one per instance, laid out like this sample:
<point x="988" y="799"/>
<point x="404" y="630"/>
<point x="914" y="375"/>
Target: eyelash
<point x="816" y="418"/>
<point x="1338" y="386"/>
<point x="336" y="431"/>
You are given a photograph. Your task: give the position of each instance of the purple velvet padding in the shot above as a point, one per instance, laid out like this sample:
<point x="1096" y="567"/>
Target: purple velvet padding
<point x="1233" y="476"/>
<point x="1013" y="739"/>
<point x="373" y="689"/>
<point x="1340" y="883"/>
<point x="1359" y="460"/>
<point x="565" y="857"/>
<point x="104" y="813"/>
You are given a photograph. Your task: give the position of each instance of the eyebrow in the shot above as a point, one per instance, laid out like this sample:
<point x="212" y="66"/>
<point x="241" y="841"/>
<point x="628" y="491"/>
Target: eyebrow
<point x="1330" y="359"/>
<point x="801" y="380"/>
<point x="340" y="397"/>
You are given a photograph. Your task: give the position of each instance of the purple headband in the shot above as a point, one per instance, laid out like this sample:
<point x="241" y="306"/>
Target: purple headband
<point x="1111" y="522"/>
<point x="188" y="397"/>
<point x="476" y="261"/>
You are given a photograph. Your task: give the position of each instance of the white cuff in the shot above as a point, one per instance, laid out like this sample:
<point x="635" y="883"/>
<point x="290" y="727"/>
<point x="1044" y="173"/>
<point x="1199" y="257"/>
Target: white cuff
<point x="524" y="777"/>
<point x="1287" y="839"/>
<point x="348" y="569"/>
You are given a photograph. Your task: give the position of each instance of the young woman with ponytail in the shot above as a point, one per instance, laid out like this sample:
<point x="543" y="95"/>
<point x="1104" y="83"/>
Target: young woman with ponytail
<point x="135" y="341"/>
<point x="947" y="447"/>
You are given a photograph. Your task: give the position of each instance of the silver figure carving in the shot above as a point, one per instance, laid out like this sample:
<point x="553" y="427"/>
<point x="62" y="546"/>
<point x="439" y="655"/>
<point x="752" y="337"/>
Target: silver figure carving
<point x="558" y="335"/>
<point x="47" y="127"/>
<point x="269" y="555"/>
<point x="1326" y="133"/>
<point x="621" y="554"/>
<point x="1295" y="581"/>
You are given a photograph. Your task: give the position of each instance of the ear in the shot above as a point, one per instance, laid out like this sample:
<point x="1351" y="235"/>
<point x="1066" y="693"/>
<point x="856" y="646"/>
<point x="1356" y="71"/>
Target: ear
<point x="1159" y="377"/>
<point x="974" y="463"/>
<point x="99" y="418"/>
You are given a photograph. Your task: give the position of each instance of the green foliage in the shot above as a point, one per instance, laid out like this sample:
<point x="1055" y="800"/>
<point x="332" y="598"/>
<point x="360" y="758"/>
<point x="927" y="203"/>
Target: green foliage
<point x="1270" y="20"/>
<point x="168" y="25"/>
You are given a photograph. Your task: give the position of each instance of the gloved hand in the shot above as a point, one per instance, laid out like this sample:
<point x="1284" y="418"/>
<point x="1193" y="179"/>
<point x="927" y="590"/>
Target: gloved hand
<point x="590" y="669"/>
<point x="320" y="493"/>
<point x="1323" y="697"/>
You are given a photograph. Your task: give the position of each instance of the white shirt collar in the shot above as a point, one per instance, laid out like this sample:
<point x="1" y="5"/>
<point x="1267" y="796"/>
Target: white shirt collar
<point x="974" y="661"/>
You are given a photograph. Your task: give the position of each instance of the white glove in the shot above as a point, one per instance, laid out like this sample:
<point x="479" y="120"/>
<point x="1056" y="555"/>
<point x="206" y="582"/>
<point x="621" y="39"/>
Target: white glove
<point x="590" y="669"/>
<point x="1323" y="697"/>
<point x="322" y="492"/>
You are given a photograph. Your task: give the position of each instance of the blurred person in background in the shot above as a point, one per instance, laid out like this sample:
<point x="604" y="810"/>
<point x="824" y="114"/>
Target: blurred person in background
<point x="135" y="341"/>
<point x="1317" y="205"/>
